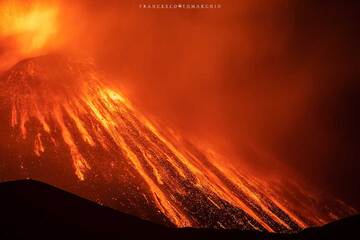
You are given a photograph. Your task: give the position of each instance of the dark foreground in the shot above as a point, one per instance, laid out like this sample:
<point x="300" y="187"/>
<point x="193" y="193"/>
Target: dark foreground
<point x="33" y="210"/>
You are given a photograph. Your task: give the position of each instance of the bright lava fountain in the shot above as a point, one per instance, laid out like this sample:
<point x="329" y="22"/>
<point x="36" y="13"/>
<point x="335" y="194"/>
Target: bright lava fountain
<point x="62" y="124"/>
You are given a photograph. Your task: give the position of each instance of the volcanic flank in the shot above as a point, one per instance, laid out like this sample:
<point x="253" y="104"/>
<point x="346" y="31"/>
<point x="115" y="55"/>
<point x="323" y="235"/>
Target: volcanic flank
<point x="62" y="124"/>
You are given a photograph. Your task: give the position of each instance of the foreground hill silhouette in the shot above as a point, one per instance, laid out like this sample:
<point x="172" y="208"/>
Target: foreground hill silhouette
<point x="35" y="210"/>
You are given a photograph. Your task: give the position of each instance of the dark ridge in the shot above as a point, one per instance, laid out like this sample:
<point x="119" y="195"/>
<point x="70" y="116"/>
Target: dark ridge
<point x="34" y="210"/>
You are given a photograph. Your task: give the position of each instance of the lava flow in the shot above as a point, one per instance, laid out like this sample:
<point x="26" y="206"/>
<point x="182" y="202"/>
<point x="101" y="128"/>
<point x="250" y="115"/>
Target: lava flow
<point x="64" y="125"/>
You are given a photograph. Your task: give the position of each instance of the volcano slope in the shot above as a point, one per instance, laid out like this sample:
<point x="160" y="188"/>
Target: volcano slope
<point x="64" y="125"/>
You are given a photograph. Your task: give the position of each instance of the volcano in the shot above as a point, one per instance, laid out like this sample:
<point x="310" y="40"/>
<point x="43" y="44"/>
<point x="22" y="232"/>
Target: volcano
<point x="63" y="124"/>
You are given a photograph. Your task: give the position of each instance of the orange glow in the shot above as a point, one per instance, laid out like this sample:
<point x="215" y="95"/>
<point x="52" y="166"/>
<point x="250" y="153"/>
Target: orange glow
<point x="32" y="27"/>
<point x="34" y="24"/>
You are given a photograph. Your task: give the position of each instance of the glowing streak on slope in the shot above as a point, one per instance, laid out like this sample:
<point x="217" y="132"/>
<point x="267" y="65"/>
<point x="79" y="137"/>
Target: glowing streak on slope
<point x="80" y="163"/>
<point x="38" y="145"/>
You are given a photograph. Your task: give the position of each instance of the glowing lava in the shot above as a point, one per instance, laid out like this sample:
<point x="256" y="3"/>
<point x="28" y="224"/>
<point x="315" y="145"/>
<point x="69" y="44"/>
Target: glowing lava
<point x="67" y="127"/>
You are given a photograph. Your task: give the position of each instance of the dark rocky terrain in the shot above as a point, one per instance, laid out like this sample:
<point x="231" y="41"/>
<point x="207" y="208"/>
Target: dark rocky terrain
<point x="35" y="210"/>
